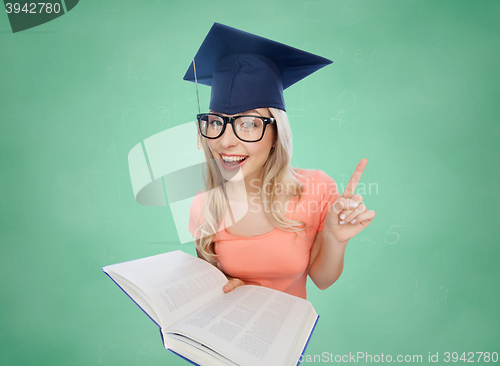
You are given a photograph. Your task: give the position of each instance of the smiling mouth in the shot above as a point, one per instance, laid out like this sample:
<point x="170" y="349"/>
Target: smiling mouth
<point x="233" y="160"/>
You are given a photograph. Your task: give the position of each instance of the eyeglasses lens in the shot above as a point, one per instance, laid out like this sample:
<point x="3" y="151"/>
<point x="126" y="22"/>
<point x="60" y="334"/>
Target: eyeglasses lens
<point x="211" y="126"/>
<point x="249" y="128"/>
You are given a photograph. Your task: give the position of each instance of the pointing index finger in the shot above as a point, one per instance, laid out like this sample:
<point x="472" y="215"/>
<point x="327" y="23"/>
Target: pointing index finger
<point x="353" y="182"/>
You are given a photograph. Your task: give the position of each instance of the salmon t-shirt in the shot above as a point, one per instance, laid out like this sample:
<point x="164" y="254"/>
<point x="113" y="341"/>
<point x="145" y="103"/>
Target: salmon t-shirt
<point x="277" y="259"/>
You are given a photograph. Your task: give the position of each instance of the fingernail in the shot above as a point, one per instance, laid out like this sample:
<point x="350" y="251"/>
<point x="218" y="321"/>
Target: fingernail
<point x="341" y="222"/>
<point x="353" y="221"/>
<point x="342" y="216"/>
<point x="354" y="204"/>
<point x="227" y="288"/>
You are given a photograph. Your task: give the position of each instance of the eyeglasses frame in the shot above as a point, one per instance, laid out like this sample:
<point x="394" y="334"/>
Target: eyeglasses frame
<point x="230" y="120"/>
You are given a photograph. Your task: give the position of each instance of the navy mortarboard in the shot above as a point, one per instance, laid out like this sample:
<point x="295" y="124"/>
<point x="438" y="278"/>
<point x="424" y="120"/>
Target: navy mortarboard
<point x="246" y="71"/>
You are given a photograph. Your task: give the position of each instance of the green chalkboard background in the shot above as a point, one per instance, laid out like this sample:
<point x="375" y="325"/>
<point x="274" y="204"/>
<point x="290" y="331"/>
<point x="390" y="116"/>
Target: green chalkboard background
<point x="414" y="88"/>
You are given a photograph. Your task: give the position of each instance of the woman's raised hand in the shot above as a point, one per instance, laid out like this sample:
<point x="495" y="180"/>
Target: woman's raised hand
<point x="348" y="215"/>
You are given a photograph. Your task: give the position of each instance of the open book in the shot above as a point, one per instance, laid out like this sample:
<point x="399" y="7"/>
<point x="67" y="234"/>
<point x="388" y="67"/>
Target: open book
<point x="182" y="294"/>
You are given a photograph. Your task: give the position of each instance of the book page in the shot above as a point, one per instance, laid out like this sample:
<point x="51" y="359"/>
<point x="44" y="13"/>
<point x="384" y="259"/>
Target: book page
<point x="176" y="283"/>
<point x="251" y="325"/>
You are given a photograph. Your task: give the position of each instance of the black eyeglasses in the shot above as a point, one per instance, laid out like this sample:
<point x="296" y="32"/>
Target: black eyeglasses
<point x="246" y="128"/>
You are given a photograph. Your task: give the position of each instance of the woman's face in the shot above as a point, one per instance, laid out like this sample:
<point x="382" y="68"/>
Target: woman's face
<point x="256" y="153"/>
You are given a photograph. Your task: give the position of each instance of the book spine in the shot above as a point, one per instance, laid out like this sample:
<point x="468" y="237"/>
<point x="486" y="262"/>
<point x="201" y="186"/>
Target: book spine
<point x="308" y="339"/>
<point x="183" y="357"/>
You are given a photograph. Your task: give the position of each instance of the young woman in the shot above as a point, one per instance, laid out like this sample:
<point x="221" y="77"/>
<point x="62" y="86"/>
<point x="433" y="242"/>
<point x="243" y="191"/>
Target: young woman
<point x="260" y="220"/>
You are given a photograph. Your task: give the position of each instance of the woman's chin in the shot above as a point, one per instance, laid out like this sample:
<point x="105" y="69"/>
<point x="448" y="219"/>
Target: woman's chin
<point x="233" y="175"/>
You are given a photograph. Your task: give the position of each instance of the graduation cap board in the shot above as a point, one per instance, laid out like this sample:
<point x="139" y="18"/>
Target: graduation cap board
<point x="246" y="71"/>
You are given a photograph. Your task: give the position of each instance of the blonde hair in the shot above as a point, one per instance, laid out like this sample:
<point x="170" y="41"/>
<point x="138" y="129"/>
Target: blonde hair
<point x="277" y="173"/>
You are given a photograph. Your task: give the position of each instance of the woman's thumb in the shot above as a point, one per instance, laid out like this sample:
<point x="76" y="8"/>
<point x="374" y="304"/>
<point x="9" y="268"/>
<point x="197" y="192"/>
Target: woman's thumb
<point x="232" y="283"/>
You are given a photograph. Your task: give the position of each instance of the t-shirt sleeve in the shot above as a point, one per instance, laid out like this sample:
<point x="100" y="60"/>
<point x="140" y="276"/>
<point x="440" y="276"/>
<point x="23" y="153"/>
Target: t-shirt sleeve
<point x="196" y="207"/>
<point x="329" y="195"/>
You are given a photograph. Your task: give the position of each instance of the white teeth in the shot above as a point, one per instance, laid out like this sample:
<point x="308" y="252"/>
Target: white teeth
<point x="233" y="158"/>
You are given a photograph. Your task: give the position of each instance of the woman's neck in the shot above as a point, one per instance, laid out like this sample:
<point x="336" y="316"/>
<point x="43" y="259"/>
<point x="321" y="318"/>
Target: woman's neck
<point x="253" y="183"/>
<point x="245" y="189"/>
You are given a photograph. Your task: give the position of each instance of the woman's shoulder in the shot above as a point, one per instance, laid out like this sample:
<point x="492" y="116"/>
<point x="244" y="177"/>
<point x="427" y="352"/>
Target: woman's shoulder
<point x="308" y="175"/>
<point x="195" y="212"/>
<point x="197" y="202"/>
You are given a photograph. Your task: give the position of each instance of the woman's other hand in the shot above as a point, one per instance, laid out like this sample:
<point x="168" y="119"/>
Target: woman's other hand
<point x="235" y="282"/>
<point x="232" y="284"/>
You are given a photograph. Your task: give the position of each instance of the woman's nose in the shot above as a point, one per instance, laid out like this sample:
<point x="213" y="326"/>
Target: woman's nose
<point x="228" y="138"/>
